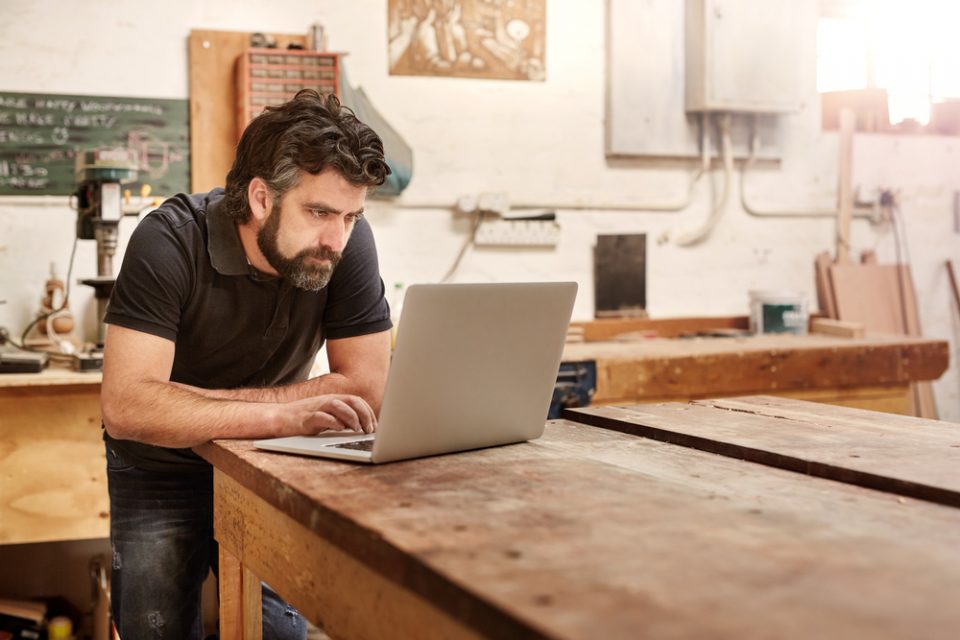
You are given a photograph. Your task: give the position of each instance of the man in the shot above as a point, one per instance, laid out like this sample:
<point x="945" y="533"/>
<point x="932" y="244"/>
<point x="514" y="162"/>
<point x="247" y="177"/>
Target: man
<point x="221" y="305"/>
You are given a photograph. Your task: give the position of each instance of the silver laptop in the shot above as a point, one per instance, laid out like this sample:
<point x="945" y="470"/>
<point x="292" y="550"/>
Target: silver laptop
<point x="474" y="366"/>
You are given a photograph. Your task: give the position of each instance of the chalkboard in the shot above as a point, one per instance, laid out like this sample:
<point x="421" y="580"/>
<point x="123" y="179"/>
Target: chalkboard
<point x="41" y="135"/>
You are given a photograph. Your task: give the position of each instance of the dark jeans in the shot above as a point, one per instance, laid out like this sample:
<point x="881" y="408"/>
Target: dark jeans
<point x="161" y="531"/>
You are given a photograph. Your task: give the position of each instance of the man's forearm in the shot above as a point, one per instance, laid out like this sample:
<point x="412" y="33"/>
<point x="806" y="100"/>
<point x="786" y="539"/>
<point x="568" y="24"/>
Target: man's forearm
<point x="325" y="384"/>
<point x="171" y="415"/>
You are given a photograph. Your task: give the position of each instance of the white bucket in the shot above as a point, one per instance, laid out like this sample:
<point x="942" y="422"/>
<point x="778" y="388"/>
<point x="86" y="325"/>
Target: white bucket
<point x="778" y="312"/>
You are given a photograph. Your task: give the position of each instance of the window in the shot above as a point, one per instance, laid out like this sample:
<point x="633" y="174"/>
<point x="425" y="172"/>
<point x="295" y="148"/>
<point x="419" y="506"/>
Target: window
<point x="895" y="62"/>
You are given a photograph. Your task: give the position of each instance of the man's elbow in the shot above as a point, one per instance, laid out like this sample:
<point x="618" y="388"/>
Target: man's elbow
<point x="116" y="419"/>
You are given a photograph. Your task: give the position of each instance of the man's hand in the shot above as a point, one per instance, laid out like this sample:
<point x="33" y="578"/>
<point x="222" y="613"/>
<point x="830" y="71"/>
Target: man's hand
<point x="139" y="402"/>
<point x="336" y="412"/>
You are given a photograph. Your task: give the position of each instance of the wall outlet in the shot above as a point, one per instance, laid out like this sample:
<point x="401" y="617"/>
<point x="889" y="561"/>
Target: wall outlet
<point x="533" y="233"/>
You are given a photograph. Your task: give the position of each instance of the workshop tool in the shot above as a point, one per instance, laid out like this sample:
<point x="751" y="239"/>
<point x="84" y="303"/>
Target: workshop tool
<point x="100" y="172"/>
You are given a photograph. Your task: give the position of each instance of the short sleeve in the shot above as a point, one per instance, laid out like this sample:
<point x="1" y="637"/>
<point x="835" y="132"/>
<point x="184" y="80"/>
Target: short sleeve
<point x="355" y="300"/>
<point x="155" y="278"/>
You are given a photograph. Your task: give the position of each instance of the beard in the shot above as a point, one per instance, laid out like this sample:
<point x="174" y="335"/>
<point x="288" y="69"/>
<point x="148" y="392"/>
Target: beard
<point x="299" y="270"/>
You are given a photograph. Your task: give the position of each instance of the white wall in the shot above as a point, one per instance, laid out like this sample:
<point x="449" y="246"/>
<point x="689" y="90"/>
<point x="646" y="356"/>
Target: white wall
<point x="540" y="142"/>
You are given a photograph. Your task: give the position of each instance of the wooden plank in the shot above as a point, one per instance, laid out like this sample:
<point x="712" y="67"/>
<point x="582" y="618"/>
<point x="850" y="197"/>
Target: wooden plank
<point x="326" y="585"/>
<point x="52" y="377"/>
<point x="953" y="284"/>
<point x="591" y="534"/>
<point x="831" y="327"/>
<point x="252" y="606"/>
<point x="923" y="392"/>
<point x="870" y="295"/>
<point x="213" y="119"/>
<point x="230" y="578"/>
<point x="52" y="464"/>
<point x="899" y="454"/>
<point x="715" y="367"/>
<point x="888" y="399"/>
<point x="825" y="295"/>
<point x="607" y="329"/>
<point x="882" y="298"/>
<point x="845" y="187"/>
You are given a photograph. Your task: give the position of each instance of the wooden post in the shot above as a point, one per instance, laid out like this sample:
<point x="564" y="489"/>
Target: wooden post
<point x="953" y="283"/>
<point x="241" y="613"/>
<point x="845" y="192"/>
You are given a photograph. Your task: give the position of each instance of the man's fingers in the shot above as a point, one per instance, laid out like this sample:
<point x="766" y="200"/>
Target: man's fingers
<point x="365" y="413"/>
<point x="338" y="413"/>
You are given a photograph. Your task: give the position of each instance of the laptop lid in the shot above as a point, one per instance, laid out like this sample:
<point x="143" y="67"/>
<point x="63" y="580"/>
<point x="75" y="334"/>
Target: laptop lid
<point x="474" y="366"/>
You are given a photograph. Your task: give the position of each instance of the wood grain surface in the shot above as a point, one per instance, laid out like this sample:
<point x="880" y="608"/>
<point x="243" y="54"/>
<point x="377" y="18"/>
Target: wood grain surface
<point x="899" y="454"/>
<point x="52" y="465"/>
<point x="661" y="369"/>
<point x="589" y="533"/>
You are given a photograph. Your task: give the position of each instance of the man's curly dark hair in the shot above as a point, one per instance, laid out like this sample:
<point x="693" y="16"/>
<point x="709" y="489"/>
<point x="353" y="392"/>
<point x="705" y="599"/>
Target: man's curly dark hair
<point x="309" y="133"/>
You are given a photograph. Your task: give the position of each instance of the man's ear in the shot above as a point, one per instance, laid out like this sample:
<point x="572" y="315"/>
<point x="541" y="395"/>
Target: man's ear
<point x="258" y="195"/>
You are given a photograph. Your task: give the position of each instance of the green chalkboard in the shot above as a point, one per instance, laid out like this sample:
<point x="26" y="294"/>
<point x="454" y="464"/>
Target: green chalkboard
<point x="41" y="135"/>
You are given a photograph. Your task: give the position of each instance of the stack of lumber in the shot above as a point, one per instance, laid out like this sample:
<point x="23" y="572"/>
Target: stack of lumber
<point x="881" y="297"/>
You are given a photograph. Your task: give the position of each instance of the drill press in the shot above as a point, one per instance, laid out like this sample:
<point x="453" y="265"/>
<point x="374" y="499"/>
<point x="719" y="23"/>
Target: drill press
<point x="100" y="172"/>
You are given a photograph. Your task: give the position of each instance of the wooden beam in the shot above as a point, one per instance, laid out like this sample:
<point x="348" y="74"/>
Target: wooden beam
<point x="328" y="586"/>
<point x="659" y="369"/>
<point x="831" y="327"/>
<point x="230" y="580"/>
<point x="607" y="329"/>
<point x="845" y="189"/>
<point x="825" y="296"/>
<point x="953" y="284"/>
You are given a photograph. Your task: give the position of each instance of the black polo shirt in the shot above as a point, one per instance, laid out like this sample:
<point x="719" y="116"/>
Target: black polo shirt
<point x="185" y="278"/>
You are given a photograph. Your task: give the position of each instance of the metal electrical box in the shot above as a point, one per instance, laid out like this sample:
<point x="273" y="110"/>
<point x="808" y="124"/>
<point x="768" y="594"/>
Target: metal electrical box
<point x="743" y="55"/>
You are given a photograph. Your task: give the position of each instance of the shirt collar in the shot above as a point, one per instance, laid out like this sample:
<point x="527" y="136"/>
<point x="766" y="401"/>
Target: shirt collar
<point x="224" y="246"/>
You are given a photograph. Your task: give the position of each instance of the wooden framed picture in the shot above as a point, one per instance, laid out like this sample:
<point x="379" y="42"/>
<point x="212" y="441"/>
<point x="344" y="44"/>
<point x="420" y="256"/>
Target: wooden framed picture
<point x="498" y="39"/>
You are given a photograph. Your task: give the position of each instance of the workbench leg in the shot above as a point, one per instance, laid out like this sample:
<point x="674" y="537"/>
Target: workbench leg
<point x="241" y="612"/>
<point x="252" y="606"/>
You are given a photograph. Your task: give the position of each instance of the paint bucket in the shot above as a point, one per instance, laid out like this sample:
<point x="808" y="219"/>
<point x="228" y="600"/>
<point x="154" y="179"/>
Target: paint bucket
<point x="778" y="312"/>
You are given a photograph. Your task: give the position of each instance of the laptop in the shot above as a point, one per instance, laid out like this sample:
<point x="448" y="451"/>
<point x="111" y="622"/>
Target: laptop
<point x="474" y="366"/>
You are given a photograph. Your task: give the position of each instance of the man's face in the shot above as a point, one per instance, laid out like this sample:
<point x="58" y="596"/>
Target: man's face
<point x="306" y="232"/>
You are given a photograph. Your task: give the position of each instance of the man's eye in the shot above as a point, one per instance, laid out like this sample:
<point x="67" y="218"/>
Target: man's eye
<point x="318" y="213"/>
<point x="353" y="217"/>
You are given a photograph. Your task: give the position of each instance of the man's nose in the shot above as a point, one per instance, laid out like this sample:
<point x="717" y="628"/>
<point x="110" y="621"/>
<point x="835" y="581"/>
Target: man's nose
<point x="334" y="234"/>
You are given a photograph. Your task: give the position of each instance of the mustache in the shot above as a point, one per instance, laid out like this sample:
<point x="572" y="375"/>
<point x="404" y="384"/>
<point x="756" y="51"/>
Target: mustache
<point x="323" y="253"/>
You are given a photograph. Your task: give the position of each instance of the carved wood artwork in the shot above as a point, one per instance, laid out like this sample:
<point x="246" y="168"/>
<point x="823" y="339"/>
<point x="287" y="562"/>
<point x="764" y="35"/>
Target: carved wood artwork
<point x="499" y="39"/>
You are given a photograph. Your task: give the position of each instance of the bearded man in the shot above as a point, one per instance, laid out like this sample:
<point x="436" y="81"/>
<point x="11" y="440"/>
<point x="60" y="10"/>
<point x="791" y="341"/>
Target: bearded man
<point x="220" y="307"/>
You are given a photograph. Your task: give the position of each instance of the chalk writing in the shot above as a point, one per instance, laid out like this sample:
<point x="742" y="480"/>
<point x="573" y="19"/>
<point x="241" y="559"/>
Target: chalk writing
<point x="41" y="135"/>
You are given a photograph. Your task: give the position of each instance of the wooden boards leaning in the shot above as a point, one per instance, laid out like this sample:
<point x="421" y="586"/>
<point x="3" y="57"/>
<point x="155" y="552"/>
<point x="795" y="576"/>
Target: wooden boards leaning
<point x="882" y="298"/>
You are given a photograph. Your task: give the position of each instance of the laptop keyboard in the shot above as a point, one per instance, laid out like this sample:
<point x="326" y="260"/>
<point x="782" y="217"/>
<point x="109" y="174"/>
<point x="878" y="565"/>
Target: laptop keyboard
<point x="360" y="445"/>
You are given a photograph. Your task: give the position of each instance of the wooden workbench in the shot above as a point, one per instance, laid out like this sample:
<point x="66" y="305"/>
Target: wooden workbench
<point x="871" y="373"/>
<point x="52" y="466"/>
<point x="586" y="533"/>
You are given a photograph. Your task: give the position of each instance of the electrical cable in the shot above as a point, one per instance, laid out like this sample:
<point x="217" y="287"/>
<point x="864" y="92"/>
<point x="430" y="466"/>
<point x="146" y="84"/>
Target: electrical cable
<point x="903" y="262"/>
<point x="466" y="245"/>
<point x="23" y="346"/>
